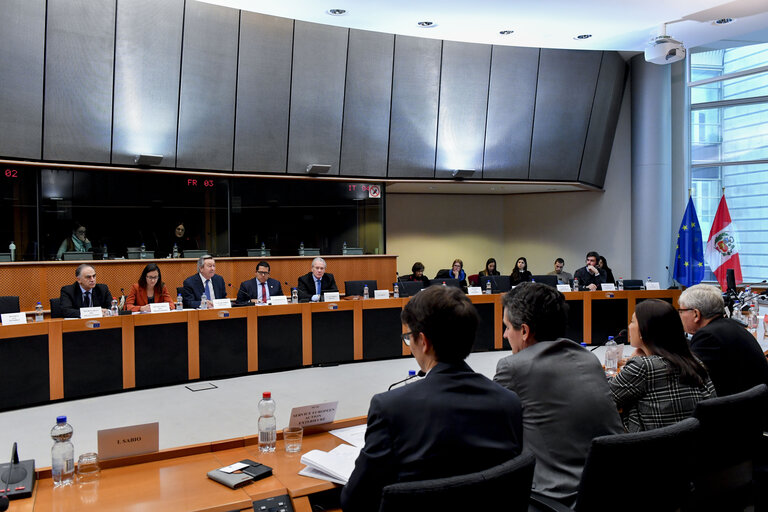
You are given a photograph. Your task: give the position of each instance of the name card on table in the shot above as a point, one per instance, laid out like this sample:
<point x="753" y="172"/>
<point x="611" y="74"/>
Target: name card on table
<point x="160" y="307"/>
<point x="221" y="303"/>
<point x="608" y="287"/>
<point x="316" y="414"/>
<point x="278" y="300"/>
<point x="127" y="441"/>
<point x="94" y="312"/>
<point x="563" y="288"/>
<point x="652" y="285"/>
<point x="474" y="290"/>
<point x="331" y="296"/>
<point x="380" y="294"/>
<point x="13" y="318"/>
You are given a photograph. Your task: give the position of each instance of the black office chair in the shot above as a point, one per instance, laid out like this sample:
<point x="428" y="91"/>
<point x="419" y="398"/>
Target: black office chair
<point x="499" y="284"/>
<point x="56" y="311"/>
<point x="633" y="284"/>
<point x="658" y="459"/>
<point x="9" y="304"/>
<point x="356" y="287"/>
<point x="448" y="282"/>
<point x="179" y="289"/>
<point x="410" y="288"/>
<point x="546" y="279"/>
<point x="508" y="484"/>
<point x="729" y="440"/>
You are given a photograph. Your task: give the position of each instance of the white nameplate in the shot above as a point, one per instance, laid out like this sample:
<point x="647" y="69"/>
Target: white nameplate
<point x="331" y="296"/>
<point x="474" y="290"/>
<point x="221" y="303"/>
<point x="563" y="288"/>
<point x="13" y="318"/>
<point x="608" y="287"/>
<point x="91" y="312"/>
<point x="127" y="441"/>
<point x="278" y="300"/>
<point x="652" y="285"/>
<point x="316" y="414"/>
<point x="380" y="294"/>
<point x="160" y="307"/>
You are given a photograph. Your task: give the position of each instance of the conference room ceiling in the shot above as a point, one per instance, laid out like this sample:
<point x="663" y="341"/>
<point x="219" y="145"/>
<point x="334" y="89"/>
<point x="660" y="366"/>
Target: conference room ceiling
<point x="623" y="25"/>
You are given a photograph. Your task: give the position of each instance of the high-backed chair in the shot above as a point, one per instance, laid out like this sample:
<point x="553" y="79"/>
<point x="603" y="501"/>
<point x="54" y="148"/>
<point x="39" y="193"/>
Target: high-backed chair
<point x="9" y="304"/>
<point x="729" y="440"/>
<point x="658" y="462"/>
<point x="356" y="287"/>
<point x="504" y="487"/>
<point x="56" y="311"/>
<point x="546" y="279"/>
<point x="474" y="280"/>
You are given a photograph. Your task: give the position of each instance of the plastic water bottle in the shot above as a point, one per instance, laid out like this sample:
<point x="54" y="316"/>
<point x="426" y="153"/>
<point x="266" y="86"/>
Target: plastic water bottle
<point x="443" y="283"/>
<point x="575" y="284"/>
<point x="12" y="249"/>
<point x="143" y="250"/>
<point x="488" y="287"/>
<point x="113" y="310"/>
<point x="39" y="312"/>
<point x="267" y="423"/>
<point x="365" y="291"/>
<point x="646" y="283"/>
<point x="344" y="248"/>
<point x="395" y="291"/>
<point x="105" y="255"/>
<point x="611" y="359"/>
<point x="621" y="283"/>
<point x="736" y="314"/>
<point x="62" y="453"/>
<point x="411" y="376"/>
<point x="294" y="296"/>
<point x="263" y="248"/>
<point x="203" y="302"/>
<point x="301" y="249"/>
<point x="179" y="303"/>
<point x="175" y="250"/>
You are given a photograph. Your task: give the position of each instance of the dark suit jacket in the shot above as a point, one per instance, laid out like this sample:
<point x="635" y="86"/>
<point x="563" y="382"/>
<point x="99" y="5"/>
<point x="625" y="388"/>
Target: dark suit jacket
<point x="523" y="276"/>
<point x="452" y="422"/>
<point x="586" y="278"/>
<point x="194" y="290"/>
<point x="248" y="289"/>
<point x="306" y="287"/>
<point x="72" y="299"/>
<point x="732" y="356"/>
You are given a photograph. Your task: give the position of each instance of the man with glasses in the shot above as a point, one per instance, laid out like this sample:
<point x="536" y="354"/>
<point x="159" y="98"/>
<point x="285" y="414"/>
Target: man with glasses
<point x="731" y="354"/>
<point x="205" y="285"/>
<point x="260" y="288"/>
<point x="452" y="422"/>
<point x="84" y="293"/>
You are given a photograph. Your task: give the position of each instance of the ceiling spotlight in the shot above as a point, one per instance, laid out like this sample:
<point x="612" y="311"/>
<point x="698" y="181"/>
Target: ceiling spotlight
<point x="462" y="173"/>
<point x="582" y="36"/>
<point x="723" y="21"/>
<point x="506" y="32"/>
<point x="144" y="160"/>
<point x="318" y="168"/>
<point x="336" y="12"/>
<point x="427" y="24"/>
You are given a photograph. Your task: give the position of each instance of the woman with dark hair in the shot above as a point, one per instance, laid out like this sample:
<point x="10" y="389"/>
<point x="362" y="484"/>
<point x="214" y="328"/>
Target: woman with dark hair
<point x="149" y="290"/>
<point x="76" y="242"/>
<point x="418" y="274"/>
<point x="663" y="381"/>
<point x="521" y="273"/>
<point x="490" y="268"/>
<point x="603" y="264"/>
<point x="181" y="240"/>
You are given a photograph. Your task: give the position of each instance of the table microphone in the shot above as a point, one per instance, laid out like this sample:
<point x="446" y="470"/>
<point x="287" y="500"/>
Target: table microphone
<point x="420" y="374"/>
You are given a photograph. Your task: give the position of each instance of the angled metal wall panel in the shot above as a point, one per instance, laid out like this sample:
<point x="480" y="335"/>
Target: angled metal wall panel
<point x="566" y="89"/>
<point x="263" y="93"/>
<point x="208" y="81"/>
<point x="415" y="96"/>
<point x="22" y="45"/>
<point x="317" y="96"/>
<point x="602" y="122"/>
<point x="78" y="80"/>
<point x="147" y="66"/>
<point x="511" y="98"/>
<point x="365" y="135"/>
<point x="463" y="108"/>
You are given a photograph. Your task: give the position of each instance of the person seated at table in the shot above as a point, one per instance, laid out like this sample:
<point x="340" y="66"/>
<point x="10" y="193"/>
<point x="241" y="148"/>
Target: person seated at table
<point x="521" y="273"/>
<point x="563" y="277"/>
<point x="455" y="272"/>
<point x="452" y="422"/>
<point x="602" y="264"/>
<point x="149" y="290"/>
<point x="205" y="285"/>
<point x="562" y="386"/>
<point x="84" y="293"/>
<point x="418" y="274"/>
<point x="590" y="276"/>
<point x="181" y="240"/>
<point x="260" y="288"/>
<point x="663" y="381"/>
<point x="315" y="283"/>
<point x="76" y="242"/>
<point x="490" y="269"/>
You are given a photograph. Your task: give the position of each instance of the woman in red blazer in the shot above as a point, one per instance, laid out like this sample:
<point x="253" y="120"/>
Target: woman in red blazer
<point x="149" y="290"/>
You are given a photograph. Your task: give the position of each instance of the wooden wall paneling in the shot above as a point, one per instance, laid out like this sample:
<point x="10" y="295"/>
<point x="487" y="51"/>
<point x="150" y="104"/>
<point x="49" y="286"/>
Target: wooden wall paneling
<point x="129" y="353"/>
<point x="306" y="334"/>
<point x="193" y="338"/>
<point x="358" y="329"/>
<point x="56" y="358"/>
<point x="253" y="339"/>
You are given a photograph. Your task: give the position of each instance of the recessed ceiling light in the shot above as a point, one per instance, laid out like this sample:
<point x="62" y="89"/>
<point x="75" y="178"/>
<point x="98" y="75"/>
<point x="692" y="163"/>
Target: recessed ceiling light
<point x="723" y="21"/>
<point x="336" y="12"/>
<point x="582" y="36"/>
<point x="427" y="24"/>
<point x="506" y="32"/>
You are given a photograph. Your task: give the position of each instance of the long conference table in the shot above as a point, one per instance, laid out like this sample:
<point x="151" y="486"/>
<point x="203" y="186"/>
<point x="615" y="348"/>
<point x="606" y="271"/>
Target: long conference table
<point x="66" y="359"/>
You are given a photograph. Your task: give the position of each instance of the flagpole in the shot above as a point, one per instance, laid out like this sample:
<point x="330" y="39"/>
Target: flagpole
<point x="689" y="193"/>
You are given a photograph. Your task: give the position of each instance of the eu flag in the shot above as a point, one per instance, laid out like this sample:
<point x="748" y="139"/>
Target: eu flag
<point x="689" y="256"/>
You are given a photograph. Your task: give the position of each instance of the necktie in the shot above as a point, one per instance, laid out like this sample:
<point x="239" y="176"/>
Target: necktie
<point x="208" y="288"/>
<point x="264" y="293"/>
<point x="87" y="299"/>
<point x="317" y="286"/>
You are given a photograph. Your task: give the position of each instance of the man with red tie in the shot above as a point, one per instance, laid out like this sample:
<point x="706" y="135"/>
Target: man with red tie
<point x="260" y="288"/>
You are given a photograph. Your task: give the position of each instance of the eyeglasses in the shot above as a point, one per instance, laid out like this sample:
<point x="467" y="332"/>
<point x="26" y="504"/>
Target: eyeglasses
<point x="262" y="273"/>
<point x="152" y="278"/>
<point x="680" y="310"/>
<point x="406" y="337"/>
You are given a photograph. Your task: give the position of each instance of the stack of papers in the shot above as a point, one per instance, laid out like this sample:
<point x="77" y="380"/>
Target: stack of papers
<point x="334" y="466"/>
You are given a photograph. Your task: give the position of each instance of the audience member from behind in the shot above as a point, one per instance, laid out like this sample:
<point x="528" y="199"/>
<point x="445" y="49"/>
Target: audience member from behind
<point x="563" y="277"/>
<point x="314" y="284"/>
<point x="205" y="285"/>
<point x="663" y="381"/>
<point x="566" y="402"/>
<point x="260" y="288"/>
<point x="590" y="276"/>
<point x="76" y="242"/>
<point x="418" y="274"/>
<point x="602" y="264"/>
<point x="490" y="268"/>
<point x="452" y="422"/>
<point x="84" y="293"/>
<point x="521" y="273"/>
<point x="149" y="290"/>
<point x="731" y="354"/>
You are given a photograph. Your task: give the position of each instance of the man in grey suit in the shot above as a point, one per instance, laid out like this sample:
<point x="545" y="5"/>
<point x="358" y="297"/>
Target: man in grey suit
<point x="565" y="396"/>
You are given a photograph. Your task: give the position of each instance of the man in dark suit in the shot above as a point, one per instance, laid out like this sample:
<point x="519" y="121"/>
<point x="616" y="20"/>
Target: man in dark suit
<point x="260" y="288"/>
<point x="590" y="276"/>
<point x="205" y="285"/>
<point x="731" y="354"/>
<point x="452" y="422"/>
<point x="84" y="293"/>
<point x="314" y="284"/>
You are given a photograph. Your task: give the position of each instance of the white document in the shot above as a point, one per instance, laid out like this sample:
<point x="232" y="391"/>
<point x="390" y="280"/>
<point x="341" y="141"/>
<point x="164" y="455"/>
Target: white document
<point x="608" y="287"/>
<point x="315" y="414"/>
<point x="474" y="290"/>
<point x="160" y="307"/>
<point x="652" y="285"/>
<point x="314" y="473"/>
<point x="380" y="294"/>
<point x="221" y="303"/>
<point x="337" y="463"/>
<point x="13" y="318"/>
<point x="352" y="435"/>
<point x="331" y="296"/>
<point x="563" y="288"/>
<point x="91" y="312"/>
<point x="278" y="300"/>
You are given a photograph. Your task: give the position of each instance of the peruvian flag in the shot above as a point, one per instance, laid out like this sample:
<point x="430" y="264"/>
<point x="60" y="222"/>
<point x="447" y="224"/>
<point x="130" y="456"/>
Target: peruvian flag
<point x="723" y="246"/>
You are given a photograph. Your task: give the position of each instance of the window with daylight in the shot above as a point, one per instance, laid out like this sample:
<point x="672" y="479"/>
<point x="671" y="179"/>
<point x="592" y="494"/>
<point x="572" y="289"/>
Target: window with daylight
<point x="729" y="147"/>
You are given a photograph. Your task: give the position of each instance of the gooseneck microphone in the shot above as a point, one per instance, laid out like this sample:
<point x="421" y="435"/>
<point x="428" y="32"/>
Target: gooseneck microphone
<point x="419" y="374"/>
